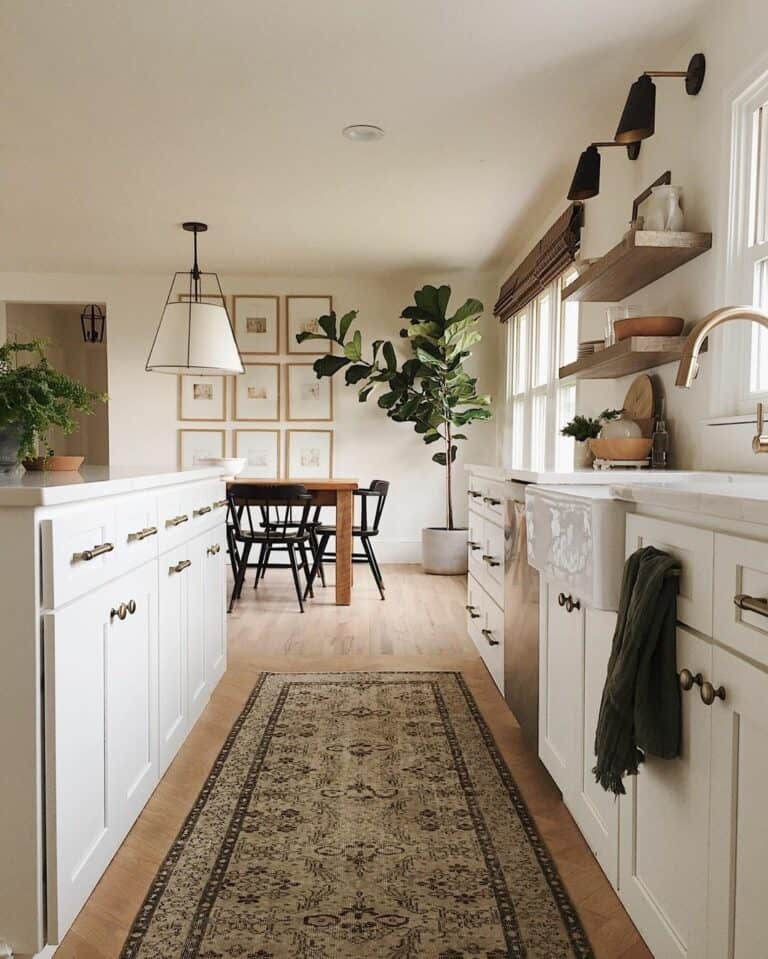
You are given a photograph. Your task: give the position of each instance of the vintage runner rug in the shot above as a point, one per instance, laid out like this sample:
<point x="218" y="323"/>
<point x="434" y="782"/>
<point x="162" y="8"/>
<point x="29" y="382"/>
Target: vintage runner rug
<point x="355" y="815"/>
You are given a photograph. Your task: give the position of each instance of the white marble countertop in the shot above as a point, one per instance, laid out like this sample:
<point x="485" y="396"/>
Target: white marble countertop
<point x="587" y="477"/>
<point x="736" y="496"/>
<point x="49" y="489"/>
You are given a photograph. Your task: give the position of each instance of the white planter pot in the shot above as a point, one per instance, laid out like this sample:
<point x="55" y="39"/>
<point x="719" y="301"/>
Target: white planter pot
<point x="582" y="455"/>
<point x="444" y="551"/>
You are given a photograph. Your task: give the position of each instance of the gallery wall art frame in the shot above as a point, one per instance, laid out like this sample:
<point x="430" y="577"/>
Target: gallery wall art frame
<point x="303" y="404"/>
<point x="201" y="437"/>
<point x="257" y="308"/>
<point x="246" y="388"/>
<point x="239" y="440"/>
<point x="301" y="312"/>
<point x="297" y="441"/>
<point x="210" y="409"/>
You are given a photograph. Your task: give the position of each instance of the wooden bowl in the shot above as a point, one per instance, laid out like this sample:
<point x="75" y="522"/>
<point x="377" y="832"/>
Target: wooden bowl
<point x="648" y="326"/>
<point x="55" y="464"/>
<point x="621" y="449"/>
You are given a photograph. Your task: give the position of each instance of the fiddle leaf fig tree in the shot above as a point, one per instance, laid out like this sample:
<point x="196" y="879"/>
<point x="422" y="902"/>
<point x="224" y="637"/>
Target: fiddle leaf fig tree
<point x="430" y="389"/>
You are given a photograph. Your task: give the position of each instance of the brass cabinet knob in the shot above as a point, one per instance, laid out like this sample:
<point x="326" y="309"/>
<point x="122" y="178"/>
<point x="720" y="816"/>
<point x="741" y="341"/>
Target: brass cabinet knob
<point x="709" y="694"/>
<point x="121" y="612"/>
<point x="571" y="604"/>
<point x="561" y="599"/>
<point x="687" y="679"/>
<point x="472" y="610"/>
<point x="488" y="633"/>
<point x="131" y="606"/>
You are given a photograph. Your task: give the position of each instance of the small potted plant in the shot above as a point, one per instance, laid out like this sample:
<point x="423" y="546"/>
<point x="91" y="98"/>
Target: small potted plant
<point x="583" y="429"/>
<point x="33" y="399"/>
<point x="431" y="390"/>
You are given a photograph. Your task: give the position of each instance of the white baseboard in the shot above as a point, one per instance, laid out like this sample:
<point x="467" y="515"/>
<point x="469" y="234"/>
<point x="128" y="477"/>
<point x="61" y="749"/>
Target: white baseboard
<point x="397" y="551"/>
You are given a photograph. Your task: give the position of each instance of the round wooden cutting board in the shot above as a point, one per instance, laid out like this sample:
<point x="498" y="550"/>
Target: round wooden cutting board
<point x="638" y="403"/>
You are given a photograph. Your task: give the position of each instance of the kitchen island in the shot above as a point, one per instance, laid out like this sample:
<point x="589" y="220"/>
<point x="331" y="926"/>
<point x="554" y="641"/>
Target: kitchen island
<point x="113" y="636"/>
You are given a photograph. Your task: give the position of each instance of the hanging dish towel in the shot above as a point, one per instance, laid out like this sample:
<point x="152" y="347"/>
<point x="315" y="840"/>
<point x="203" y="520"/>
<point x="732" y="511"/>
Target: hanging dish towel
<point x="640" y="708"/>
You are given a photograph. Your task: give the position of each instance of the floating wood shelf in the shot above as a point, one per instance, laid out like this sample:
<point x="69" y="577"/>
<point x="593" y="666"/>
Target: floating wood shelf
<point x="632" y="355"/>
<point x="642" y="257"/>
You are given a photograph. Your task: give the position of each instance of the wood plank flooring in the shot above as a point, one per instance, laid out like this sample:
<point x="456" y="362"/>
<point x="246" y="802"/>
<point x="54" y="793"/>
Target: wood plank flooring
<point x="421" y="625"/>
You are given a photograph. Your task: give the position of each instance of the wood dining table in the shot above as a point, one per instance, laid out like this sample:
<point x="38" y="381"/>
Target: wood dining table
<point x="328" y="492"/>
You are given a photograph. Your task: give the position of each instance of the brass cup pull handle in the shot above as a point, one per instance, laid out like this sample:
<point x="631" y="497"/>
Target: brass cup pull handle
<point x="88" y="554"/>
<point x="488" y="633"/>
<point x="219" y="503"/>
<point x="709" y="694"/>
<point x="121" y="612"/>
<point x="177" y="520"/>
<point x="571" y="604"/>
<point x="142" y="534"/>
<point x="688" y="680"/>
<point x="492" y="501"/>
<point x="472" y="610"/>
<point x="561" y="598"/>
<point x="752" y="604"/>
<point x="202" y="511"/>
<point x="180" y="567"/>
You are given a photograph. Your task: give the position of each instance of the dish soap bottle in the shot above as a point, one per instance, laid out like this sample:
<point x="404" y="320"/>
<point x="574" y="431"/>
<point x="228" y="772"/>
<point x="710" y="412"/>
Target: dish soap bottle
<point x="660" y="442"/>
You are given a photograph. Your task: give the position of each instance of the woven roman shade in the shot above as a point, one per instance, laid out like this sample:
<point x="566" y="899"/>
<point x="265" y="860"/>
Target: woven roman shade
<point x="552" y="254"/>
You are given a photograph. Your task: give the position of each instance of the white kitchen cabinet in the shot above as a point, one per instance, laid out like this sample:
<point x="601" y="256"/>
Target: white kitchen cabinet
<point x="101" y="733"/>
<point x="596" y="811"/>
<point x="561" y="665"/>
<point x="664" y="827"/>
<point x="214" y="600"/>
<point x="738" y="835"/>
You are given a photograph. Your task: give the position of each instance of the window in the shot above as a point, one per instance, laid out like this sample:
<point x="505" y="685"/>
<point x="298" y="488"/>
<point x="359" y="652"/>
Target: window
<point x="541" y="338"/>
<point x="747" y="267"/>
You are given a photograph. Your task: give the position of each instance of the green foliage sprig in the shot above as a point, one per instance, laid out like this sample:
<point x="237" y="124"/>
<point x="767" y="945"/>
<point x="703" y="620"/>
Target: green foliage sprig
<point x="36" y="397"/>
<point x="431" y="389"/>
<point x="583" y="428"/>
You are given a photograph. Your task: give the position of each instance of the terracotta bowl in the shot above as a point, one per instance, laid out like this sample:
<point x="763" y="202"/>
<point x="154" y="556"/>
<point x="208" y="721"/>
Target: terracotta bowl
<point x="648" y="326"/>
<point x="621" y="449"/>
<point x="55" y="464"/>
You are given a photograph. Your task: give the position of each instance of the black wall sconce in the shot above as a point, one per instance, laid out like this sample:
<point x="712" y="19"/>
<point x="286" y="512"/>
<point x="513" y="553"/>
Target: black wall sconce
<point x="586" y="179"/>
<point x="92" y="321"/>
<point x="638" y="119"/>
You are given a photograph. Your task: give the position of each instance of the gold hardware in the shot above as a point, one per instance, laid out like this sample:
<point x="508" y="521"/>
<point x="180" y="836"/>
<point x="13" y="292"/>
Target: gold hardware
<point x="213" y="550"/>
<point x="88" y="554"/>
<point x="488" y="633"/>
<point x="752" y="604"/>
<point x="709" y="694"/>
<point x="121" y="612"/>
<point x="219" y="503"/>
<point x="180" y="567"/>
<point x="177" y="520"/>
<point x="472" y="610"/>
<point x="202" y="511"/>
<point x="760" y="439"/>
<point x="687" y="679"/>
<point x="561" y="599"/>
<point x="473" y="493"/>
<point x="571" y="604"/>
<point x="491" y="501"/>
<point x="473" y="545"/>
<point x="487" y="558"/>
<point x="142" y="534"/>
<point x="131" y="606"/>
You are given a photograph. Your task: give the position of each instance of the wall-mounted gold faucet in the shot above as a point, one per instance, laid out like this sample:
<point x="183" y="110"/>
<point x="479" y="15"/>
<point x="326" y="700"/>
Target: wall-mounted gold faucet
<point x="689" y="361"/>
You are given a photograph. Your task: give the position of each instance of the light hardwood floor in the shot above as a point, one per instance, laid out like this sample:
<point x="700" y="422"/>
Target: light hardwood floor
<point x="421" y="625"/>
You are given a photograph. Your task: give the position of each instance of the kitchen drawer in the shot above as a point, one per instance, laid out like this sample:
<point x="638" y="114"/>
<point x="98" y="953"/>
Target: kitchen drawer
<point x="475" y="493"/>
<point x="476" y="547"/>
<point x="475" y="607"/>
<point x="174" y="516"/>
<point x="79" y="552"/>
<point x="136" y="530"/>
<point x="741" y="569"/>
<point x="493" y="559"/>
<point x="695" y="549"/>
<point x="492" y="645"/>
<point x="493" y="500"/>
<point x="208" y="505"/>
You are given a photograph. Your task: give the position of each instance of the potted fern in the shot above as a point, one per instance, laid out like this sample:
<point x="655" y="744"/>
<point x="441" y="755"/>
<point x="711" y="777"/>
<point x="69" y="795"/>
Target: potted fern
<point x="33" y="399"/>
<point x="583" y="429"/>
<point x="431" y="390"/>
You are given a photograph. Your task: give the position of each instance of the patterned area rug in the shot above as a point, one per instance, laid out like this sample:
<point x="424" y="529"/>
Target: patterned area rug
<point x="355" y="815"/>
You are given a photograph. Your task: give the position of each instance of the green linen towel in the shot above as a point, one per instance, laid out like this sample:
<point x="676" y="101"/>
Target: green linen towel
<point x="640" y="708"/>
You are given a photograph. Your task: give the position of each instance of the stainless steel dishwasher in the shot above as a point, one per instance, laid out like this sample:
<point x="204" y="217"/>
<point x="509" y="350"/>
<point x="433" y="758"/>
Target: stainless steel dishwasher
<point x="521" y="619"/>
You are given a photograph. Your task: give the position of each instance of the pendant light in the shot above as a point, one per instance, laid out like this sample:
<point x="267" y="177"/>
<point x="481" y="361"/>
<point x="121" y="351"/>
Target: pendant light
<point x="92" y="321"/>
<point x="195" y="336"/>
<point x="586" y="179"/>
<point x="638" y="119"/>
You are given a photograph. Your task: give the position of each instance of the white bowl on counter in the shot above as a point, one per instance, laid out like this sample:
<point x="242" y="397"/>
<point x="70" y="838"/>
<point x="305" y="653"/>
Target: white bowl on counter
<point x="234" y="465"/>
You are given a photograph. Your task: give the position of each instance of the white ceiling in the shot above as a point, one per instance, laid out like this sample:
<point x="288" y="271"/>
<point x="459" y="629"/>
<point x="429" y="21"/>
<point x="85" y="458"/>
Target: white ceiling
<point x="118" y="120"/>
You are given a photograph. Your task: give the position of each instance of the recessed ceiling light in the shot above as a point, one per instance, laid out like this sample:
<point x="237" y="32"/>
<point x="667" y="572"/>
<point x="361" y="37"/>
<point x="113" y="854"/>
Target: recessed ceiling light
<point x="363" y="132"/>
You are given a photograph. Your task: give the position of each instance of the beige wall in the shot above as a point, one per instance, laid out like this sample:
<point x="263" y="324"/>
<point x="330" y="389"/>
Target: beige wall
<point x="692" y="140"/>
<point x="143" y="414"/>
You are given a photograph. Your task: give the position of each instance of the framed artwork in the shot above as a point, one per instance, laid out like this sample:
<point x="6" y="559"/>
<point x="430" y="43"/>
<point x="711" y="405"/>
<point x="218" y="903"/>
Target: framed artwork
<point x="309" y="454"/>
<point x="215" y="298"/>
<point x="257" y="324"/>
<point x="309" y="398"/>
<point x="197" y="445"/>
<point x="303" y="313"/>
<point x="202" y="397"/>
<point x="257" y="392"/>
<point x="262" y="450"/>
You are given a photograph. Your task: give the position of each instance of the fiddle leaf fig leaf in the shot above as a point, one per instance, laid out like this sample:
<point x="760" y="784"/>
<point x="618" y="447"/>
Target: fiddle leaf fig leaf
<point x="389" y="356"/>
<point x="328" y="365"/>
<point x="345" y="322"/>
<point x="354" y="349"/>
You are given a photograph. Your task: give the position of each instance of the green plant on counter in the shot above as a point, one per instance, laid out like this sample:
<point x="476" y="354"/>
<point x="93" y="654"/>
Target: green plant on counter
<point x="583" y="428"/>
<point x="431" y="389"/>
<point x="36" y="397"/>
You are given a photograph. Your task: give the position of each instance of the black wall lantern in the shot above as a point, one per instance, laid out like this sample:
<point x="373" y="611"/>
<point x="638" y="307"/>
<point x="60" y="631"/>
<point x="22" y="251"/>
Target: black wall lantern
<point x="92" y="321"/>
<point x="586" y="179"/>
<point x="638" y="119"/>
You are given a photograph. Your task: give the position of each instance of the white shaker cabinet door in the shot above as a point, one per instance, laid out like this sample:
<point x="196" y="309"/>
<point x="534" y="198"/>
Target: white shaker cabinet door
<point x="100" y="704"/>
<point x="738" y="886"/>
<point x="215" y="556"/>
<point x="198" y="688"/>
<point x="664" y="828"/>
<point x="175" y="574"/>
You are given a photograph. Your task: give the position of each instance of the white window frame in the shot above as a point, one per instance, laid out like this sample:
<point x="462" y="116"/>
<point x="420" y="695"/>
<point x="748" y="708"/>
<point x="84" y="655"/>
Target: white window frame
<point x="523" y="357"/>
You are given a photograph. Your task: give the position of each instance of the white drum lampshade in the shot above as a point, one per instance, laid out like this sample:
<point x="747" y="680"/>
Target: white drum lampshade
<point x="195" y="336"/>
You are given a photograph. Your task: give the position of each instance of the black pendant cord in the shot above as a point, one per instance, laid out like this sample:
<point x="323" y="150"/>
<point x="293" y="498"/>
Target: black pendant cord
<point x="196" y="269"/>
